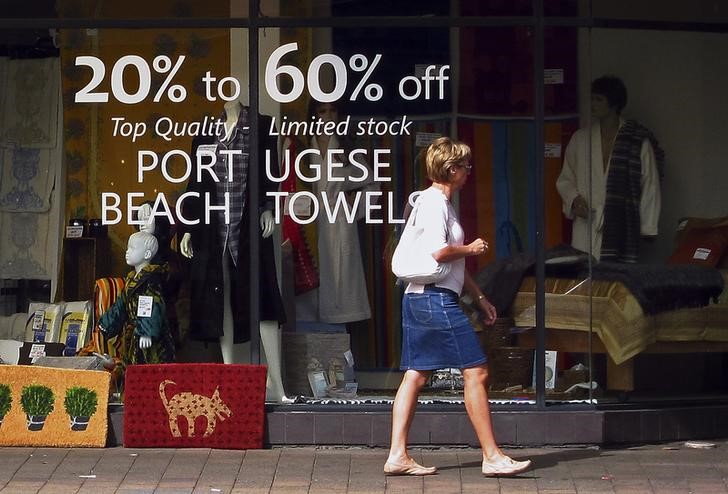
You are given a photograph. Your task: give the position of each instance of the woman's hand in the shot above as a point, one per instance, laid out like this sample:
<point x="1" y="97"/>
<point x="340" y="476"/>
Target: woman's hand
<point x="488" y="310"/>
<point x="477" y="247"/>
<point x="479" y="300"/>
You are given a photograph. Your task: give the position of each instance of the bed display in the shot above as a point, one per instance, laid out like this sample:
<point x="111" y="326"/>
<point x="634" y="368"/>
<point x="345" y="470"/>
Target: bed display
<point x="629" y="308"/>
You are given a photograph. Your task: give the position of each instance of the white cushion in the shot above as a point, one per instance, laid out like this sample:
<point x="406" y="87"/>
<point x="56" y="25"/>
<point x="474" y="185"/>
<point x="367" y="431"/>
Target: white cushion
<point x="10" y="351"/>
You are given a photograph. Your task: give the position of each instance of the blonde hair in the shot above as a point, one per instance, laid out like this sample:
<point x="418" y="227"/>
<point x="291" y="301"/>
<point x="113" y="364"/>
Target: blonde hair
<point x="442" y="155"/>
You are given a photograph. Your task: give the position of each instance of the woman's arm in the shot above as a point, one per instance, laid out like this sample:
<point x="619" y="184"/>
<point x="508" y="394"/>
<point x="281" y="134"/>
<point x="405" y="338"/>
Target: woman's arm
<point x="452" y="253"/>
<point x="488" y="310"/>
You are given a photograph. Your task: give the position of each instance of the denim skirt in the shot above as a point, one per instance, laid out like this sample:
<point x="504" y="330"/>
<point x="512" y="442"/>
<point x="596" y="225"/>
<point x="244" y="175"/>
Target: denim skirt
<point x="436" y="333"/>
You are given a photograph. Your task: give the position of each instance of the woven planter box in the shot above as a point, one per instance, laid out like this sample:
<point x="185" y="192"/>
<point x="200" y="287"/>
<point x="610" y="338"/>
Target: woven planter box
<point x="299" y="349"/>
<point x="498" y="335"/>
<point x="510" y="366"/>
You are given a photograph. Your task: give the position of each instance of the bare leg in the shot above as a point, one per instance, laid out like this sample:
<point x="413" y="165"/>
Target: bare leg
<point x="231" y="353"/>
<point x="403" y="411"/>
<point x="226" y="340"/>
<point x="476" y="403"/>
<point x="270" y="339"/>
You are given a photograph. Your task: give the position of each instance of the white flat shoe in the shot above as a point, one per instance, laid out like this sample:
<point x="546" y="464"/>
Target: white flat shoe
<point x="504" y="466"/>
<point x="413" y="468"/>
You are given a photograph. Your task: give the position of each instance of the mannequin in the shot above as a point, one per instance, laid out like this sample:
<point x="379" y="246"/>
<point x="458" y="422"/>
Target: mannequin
<point x="219" y="252"/>
<point x="342" y="293"/>
<point x="610" y="180"/>
<point x="139" y="311"/>
<point x="162" y="230"/>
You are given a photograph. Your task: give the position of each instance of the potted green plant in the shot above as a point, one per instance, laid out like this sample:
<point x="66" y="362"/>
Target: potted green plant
<point x="80" y="403"/>
<point x="6" y="400"/>
<point x="37" y="402"/>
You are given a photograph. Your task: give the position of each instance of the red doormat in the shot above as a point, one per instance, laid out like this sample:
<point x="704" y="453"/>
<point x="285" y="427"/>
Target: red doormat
<point x="194" y="405"/>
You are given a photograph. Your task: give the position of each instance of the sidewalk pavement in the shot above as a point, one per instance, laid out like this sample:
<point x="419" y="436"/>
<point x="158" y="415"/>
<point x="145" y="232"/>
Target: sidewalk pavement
<point x="659" y="468"/>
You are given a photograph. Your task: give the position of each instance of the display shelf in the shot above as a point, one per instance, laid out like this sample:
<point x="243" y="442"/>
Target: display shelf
<point x="85" y="260"/>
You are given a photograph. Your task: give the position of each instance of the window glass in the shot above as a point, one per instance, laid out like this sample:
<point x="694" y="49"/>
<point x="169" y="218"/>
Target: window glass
<point x="95" y="121"/>
<point x="393" y="91"/>
<point x="356" y="8"/>
<point x="674" y="139"/>
<point x="672" y="11"/>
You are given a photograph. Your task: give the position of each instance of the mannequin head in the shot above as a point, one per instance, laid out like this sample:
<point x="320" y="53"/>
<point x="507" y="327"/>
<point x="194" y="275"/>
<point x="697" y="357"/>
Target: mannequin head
<point x="145" y="216"/>
<point x="159" y="226"/>
<point x="609" y="90"/>
<point x="328" y="112"/>
<point x="140" y="250"/>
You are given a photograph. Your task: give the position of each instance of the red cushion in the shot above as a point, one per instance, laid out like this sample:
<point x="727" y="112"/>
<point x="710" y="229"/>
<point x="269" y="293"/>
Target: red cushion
<point x="705" y="246"/>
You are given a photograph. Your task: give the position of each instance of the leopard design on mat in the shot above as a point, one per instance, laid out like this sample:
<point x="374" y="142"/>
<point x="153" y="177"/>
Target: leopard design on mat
<point x="190" y="406"/>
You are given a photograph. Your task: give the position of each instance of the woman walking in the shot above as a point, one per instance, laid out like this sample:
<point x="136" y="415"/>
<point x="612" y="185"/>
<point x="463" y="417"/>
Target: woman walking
<point x="436" y="332"/>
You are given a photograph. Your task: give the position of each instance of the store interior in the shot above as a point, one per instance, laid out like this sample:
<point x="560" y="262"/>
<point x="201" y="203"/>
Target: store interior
<point x="602" y="347"/>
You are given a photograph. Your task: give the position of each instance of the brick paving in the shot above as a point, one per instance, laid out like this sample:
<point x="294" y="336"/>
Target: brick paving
<point x="658" y="468"/>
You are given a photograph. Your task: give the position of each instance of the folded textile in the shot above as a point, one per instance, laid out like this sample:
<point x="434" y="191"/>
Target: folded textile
<point x="657" y="287"/>
<point x="660" y="288"/>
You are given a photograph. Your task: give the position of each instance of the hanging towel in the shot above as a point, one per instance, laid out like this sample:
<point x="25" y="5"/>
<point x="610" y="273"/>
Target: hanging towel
<point x="28" y="245"/>
<point x="27" y="170"/>
<point x="30" y="109"/>
<point x="27" y="177"/>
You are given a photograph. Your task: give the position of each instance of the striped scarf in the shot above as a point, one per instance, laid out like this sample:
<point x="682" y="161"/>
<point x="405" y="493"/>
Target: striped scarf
<point x="621" y="231"/>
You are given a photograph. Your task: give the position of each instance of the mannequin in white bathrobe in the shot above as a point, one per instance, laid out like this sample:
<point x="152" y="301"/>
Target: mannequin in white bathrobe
<point x="590" y="149"/>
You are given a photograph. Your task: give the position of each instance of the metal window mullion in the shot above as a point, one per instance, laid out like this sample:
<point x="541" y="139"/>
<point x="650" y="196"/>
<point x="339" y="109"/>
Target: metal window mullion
<point x="253" y="192"/>
<point x="538" y="137"/>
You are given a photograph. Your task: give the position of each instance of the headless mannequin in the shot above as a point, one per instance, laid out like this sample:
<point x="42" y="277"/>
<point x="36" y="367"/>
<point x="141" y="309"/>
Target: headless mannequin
<point x="270" y="332"/>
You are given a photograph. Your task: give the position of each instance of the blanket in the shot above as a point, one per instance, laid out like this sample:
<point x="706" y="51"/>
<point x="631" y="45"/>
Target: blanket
<point x="656" y="287"/>
<point x="660" y="288"/>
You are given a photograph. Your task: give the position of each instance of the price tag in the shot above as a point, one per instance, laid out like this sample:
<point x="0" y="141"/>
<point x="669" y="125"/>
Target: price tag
<point x="553" y="76"/>
<point x="75" y="231"/>
<point x="424" y="139"/>
<point x="36" y="351"/>
<point x="207" y="148"/>
<point x="144" y="306"/>
<point x="552" y="150"/>
<point x="349" y="358"/>
<point x="38" y="320"/>
<point x="701" y="253"/>
<point x="301" y="208"/>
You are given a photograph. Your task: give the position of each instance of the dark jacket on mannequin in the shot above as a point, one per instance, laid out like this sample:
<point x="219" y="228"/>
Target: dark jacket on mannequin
<point x="206" y="275"/>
